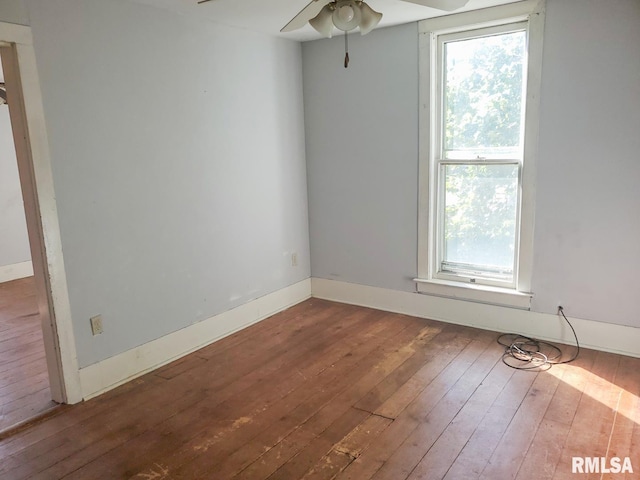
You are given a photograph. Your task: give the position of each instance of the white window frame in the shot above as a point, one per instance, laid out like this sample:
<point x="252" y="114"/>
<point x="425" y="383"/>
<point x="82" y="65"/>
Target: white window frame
<point x="518" y="294"/>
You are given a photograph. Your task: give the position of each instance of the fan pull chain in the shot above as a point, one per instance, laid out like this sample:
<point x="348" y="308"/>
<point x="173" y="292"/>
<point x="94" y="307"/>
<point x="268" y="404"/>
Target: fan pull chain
<point x="346" y="49"/>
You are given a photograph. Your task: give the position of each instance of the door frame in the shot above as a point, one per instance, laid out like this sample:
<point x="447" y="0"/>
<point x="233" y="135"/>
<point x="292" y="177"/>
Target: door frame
<point x="34" y="166"/>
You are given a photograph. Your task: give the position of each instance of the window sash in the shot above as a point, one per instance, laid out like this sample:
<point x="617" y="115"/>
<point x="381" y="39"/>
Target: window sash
<point x="439" y="92"/>
<point x="471" y="273"/>
<point x="438" y="270"/>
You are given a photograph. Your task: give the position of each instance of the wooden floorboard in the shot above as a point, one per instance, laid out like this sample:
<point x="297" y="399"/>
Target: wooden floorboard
<point x="24" y="381"/>
<point x="624" y="438"/>
<point x="593" y="422"/>
<point x="357" y="382"/>
<point x="547" y="441"/>
<point x="166" y="400"/>
<point x="325" y="391"/>
<point x="271" y="389"/>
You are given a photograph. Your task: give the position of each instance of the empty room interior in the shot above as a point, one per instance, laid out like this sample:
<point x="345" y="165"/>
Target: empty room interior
<point x="395" y="240"/>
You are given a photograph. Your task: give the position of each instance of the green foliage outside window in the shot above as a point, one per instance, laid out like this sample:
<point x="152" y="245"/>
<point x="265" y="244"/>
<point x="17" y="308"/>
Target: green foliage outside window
<point x="482" y="119"/>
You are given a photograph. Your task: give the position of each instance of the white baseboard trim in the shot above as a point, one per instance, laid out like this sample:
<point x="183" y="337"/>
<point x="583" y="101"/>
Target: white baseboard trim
<point x="112" y="372"/>
<point x="607" y="337"/>
<point x="16" y="271"/>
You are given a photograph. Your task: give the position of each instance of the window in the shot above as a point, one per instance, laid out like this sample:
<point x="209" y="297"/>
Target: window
<point x="479" y="79"/>
<point x="478" y="153"/>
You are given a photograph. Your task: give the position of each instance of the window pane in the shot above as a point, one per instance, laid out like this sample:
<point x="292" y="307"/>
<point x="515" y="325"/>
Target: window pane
<point x="483" y="100"/>
<point x="480" y="219"/>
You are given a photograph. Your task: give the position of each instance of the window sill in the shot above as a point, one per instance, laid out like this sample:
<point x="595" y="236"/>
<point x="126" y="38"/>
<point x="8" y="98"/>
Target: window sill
<point x="475" y="293"/>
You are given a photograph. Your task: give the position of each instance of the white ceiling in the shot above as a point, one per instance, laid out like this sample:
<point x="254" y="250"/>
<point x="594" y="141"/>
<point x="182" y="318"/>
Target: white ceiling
<point x="269" y="16"/>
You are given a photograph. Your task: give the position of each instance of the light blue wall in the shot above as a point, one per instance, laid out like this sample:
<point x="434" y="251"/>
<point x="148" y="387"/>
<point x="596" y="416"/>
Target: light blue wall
<point x="178" y="161"/>
<point x="587" y="244"/>
<point x="362" y="142"/>
<point x="362" y="127"/>
<point x="14" y="11"/>
<point x="178" y="156"/>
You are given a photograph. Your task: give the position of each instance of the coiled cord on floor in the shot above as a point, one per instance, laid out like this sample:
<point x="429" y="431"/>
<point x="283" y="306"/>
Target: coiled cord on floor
<point x="526" y="353"/>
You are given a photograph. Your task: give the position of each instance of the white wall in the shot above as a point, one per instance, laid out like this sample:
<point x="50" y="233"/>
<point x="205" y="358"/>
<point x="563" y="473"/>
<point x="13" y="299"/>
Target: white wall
<point x="14" y="241"/>
<point x="178" y="160"/>
<point x="362" y="139"/>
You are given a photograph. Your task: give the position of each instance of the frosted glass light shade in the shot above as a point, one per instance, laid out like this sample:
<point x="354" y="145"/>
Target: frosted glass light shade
<point x="323" y="22"/>
<point x="370" y="18"/>
<point x="347" y="15"/>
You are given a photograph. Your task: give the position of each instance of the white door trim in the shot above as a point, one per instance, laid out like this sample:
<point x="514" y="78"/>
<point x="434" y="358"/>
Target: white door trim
<point x="34" y="166"/>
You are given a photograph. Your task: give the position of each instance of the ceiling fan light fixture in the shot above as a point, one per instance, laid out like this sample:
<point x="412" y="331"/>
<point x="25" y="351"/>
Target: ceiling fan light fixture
<point x="323" y="22"/>
<point x="347" y="15"/>
<point x="370" y="18"/>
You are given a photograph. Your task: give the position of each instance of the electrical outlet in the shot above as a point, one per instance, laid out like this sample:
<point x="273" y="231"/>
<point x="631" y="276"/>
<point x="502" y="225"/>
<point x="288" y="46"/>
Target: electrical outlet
<point x="96" y="325"/>
<point x="294" y="259"/>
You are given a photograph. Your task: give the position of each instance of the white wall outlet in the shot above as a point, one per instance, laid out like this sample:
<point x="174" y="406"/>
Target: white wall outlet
<point x="294" y="259"/>
<point x="96" y="325"/>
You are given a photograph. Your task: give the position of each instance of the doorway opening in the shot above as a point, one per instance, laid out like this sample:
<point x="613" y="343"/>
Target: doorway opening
<point x="43" y="293"/>
<point x="24" y="380"/>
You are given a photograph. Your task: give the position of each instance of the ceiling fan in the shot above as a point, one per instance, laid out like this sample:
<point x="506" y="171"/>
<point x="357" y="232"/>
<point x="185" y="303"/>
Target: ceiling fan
<point x="347" y="15"/>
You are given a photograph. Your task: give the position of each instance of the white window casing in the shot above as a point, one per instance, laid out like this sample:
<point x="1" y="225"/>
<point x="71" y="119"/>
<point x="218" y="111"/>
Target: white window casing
<point x="527" y="15"/>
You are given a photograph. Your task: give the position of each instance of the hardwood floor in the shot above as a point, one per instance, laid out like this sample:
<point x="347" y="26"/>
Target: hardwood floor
<point x="24" y="381"/>
<point x="325" y="390"/>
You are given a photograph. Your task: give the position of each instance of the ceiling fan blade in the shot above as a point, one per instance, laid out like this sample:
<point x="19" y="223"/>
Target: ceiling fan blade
<point x="447" y="5"/>
<point x="203" y="1"/>
<point x="306" y="14"/>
